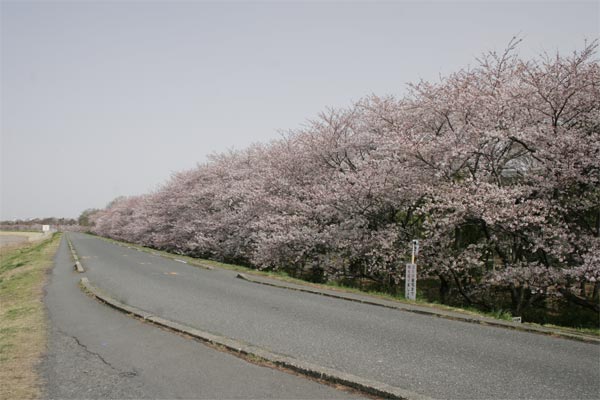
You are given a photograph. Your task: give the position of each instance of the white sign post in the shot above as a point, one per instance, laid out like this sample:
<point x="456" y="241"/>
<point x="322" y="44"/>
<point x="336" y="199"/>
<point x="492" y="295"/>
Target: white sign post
<point x="410" y="283"/>
<point x="410" y="279"/>
<point x="45" y="228"/>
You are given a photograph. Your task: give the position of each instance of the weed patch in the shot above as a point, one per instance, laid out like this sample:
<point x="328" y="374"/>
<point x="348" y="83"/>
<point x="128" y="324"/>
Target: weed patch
<point x="22" y="319"/>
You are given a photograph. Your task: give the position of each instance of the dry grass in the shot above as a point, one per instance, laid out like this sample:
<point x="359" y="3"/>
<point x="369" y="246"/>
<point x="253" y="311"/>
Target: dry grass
<point x="9" y="244"/>
<point x="21" y="233"/>
<point x="31" y="236"/>
<point x="22" y="317"/>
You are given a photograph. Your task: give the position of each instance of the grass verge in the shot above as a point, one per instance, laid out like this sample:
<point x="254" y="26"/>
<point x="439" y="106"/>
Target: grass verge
<point x="22" y="316"/>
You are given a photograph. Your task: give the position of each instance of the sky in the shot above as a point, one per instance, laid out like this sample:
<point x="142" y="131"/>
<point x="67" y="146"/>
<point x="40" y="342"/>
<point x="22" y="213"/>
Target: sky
<point x="104" y="99"/>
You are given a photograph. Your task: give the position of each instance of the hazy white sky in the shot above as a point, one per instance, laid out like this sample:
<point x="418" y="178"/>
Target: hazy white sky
<point x="101" y="99"/>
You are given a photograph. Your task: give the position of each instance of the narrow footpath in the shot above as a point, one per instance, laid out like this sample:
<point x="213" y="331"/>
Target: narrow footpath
<point x="97" y="352"/>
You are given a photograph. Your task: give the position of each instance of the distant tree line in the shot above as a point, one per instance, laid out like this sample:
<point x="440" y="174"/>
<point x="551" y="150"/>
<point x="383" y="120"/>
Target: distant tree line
<point x="495" y="168"/>
<point x="35" y="224"/>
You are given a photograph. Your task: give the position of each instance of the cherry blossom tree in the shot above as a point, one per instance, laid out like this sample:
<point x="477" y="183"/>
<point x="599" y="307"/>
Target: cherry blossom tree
<point x="496" y="168"/>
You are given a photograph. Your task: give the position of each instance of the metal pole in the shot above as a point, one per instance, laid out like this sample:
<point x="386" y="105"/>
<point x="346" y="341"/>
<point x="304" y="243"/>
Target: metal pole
<point x="415" y="250"/>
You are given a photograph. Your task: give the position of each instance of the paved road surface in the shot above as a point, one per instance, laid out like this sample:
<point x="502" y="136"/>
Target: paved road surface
<point x="96" y="352"/>
<point x="435" y="357"/>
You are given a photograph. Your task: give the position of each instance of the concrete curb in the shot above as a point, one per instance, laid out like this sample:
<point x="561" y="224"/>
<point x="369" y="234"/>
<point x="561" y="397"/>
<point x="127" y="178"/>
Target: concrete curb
<point x="400" y="307"/>
<point x="77" y="267"/>
<point x="327" y="374"/>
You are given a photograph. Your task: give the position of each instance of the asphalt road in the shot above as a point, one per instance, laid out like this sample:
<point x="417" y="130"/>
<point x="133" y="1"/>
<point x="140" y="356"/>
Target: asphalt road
<point x="97" y="352"/>
<point x="431" y="356"/>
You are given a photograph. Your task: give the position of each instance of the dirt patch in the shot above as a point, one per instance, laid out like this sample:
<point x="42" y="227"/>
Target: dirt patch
<point x="12" y="240"/>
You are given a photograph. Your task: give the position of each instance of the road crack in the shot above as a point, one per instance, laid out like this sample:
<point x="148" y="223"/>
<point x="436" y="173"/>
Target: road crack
<point x="126" y="374"/>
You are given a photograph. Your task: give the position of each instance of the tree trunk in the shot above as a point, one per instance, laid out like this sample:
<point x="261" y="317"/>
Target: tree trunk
<point x="517" y="295"/>
<point x="580" y="301"/>
<point x="444" y="289"/>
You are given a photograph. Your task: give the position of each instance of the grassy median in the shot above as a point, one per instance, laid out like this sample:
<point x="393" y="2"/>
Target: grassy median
<point x="22" y="316"/>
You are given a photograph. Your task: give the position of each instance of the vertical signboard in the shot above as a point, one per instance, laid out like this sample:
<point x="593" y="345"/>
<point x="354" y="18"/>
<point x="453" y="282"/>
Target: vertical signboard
<point x="45" y="228"/>
<point x="410" y="282"/>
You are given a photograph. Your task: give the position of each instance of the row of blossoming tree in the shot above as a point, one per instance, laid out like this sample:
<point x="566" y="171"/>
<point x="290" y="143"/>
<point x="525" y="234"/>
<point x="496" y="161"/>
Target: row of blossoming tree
<point x="496" y="169"/>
